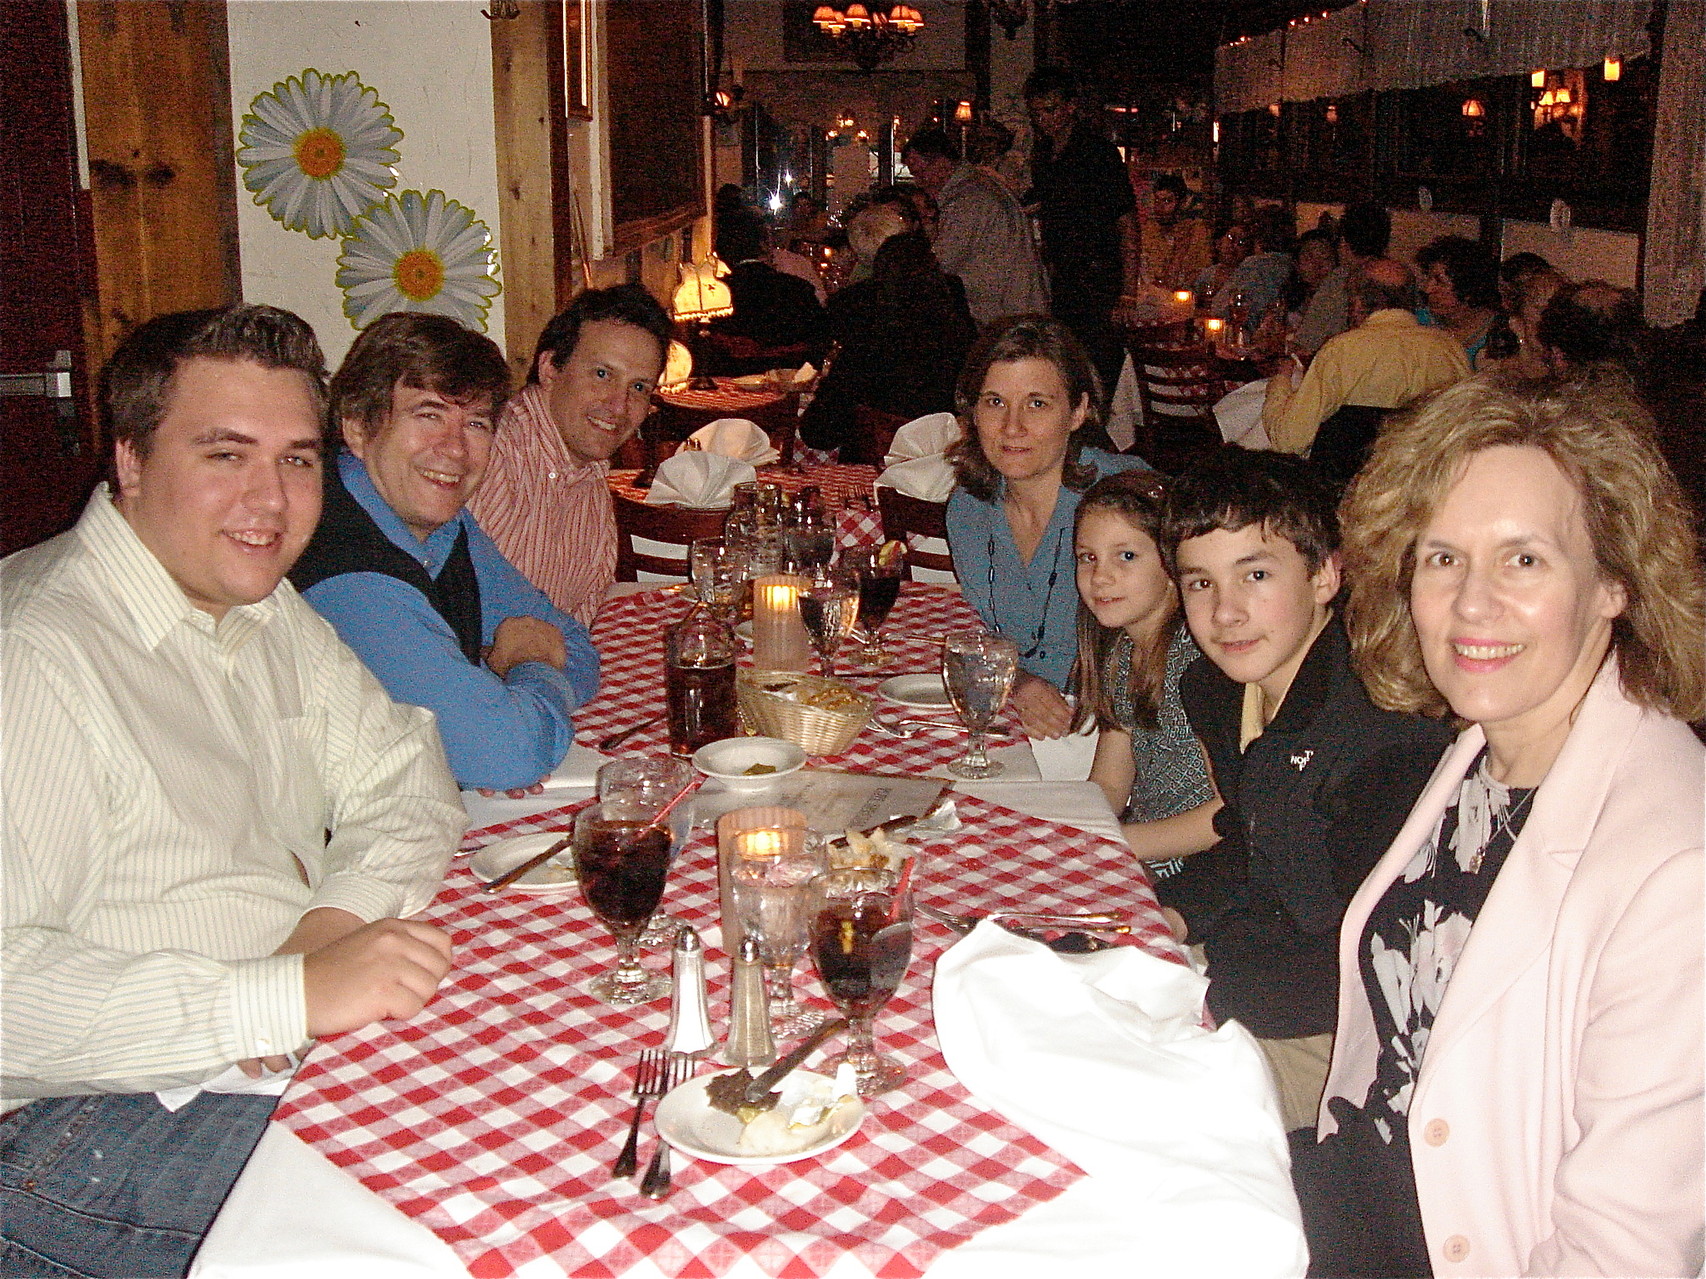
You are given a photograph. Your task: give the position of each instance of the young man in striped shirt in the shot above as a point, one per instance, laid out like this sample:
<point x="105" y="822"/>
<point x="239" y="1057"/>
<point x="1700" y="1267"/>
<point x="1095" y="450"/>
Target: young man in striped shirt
<point x="217" y="822"/>
<point x="545" y="501"/>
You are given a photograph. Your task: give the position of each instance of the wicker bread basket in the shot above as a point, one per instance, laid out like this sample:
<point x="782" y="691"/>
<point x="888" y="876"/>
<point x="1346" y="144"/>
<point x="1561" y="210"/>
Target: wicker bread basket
<point x="777" y="704"/>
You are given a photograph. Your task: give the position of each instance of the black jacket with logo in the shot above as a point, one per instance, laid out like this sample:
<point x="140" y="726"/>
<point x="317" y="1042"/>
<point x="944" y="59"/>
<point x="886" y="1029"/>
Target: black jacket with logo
<point x="1310" y="808"/>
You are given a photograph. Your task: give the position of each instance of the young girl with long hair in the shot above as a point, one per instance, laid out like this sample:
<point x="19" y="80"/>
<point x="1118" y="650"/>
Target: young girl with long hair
<point x="1133" y="646"/>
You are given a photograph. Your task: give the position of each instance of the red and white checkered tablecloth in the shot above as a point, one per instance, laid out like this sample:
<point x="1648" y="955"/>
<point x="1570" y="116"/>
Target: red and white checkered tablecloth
<point x="629" y="636"/>
<point x="850" y="492"/>
<point x="725" y="397"/>
<point x="494" y="1116"/>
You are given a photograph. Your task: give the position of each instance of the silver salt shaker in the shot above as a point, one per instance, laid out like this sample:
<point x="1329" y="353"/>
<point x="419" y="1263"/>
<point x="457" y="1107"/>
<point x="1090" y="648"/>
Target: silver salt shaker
<point x="749" y="1042"/>
<point x="689" y="1019"/>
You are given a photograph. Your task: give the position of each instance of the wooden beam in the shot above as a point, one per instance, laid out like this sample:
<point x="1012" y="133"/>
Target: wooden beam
<point x="157" y="106"/>
<point x="521" y="125"/>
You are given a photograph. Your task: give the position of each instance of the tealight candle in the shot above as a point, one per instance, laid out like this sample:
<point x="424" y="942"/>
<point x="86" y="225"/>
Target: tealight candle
<point x="1213" y="326"/>
<point x="779" y="641"/>
<point x="1182" y="296"/>
<point x="764" y="844"/>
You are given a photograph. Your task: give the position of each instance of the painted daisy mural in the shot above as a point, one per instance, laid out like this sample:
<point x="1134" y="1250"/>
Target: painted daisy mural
<point x="317" y="152"/>
<point x="419" y="252"/>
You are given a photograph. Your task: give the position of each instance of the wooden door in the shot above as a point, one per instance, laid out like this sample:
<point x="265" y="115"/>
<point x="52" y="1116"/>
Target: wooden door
<point x="52" y="452"/>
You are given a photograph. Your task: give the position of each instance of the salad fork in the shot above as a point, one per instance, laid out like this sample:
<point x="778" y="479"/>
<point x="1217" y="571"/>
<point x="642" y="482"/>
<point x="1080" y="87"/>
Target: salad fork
<point x="656" y="1183"/>
<point x="651" y="1080"/>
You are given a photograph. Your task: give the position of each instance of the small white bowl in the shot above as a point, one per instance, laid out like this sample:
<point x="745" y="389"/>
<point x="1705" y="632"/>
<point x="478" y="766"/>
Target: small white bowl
<point x="729" y="759"/>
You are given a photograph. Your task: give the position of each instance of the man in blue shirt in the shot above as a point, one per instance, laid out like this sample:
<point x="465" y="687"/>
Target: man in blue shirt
<point x="407" y="577"/>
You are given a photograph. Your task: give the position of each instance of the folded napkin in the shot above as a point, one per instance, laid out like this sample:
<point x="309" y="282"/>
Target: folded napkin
<point x="1239" y="413"/>
<point x="1104" y="1057"/>
<point x="737" y="438"/>
<point x="928" y="478"/>
<point x="923" y="436"/>
<point x="705" y="481"/>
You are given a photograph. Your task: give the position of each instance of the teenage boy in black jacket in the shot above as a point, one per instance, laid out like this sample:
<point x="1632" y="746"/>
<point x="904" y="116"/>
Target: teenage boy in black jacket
<point x="1316" y="780"/>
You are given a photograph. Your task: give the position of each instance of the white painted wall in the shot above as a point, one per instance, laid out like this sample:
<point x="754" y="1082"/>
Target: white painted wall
<point x="431" y="63"/>
<point x="1579" y="252"/>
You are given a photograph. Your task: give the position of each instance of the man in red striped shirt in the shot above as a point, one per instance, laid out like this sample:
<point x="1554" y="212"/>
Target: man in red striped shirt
<point x="545" y="501"/>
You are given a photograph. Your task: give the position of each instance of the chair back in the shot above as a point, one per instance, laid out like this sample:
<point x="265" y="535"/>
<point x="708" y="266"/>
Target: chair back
<point x="667" y="531"/>
<point x="919" y="524"/>
<point x="873" y="432"/>
<point x="1342" y="443"/>
<point x="1178" y="387"/>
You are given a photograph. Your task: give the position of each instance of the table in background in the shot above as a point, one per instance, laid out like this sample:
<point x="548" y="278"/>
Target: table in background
<point x="629" y="636"/>
<point x="493" y="1117"/>
<point x="849" y="495"/>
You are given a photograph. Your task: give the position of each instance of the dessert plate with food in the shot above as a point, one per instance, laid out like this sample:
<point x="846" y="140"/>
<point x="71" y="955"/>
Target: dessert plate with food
<point x="812" y="1113"/>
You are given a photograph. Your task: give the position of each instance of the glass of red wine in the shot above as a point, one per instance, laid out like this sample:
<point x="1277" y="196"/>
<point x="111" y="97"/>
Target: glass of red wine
<point x="879" y="587"/>
<point x="621" y="863"/>
<point x="861" y="945"/>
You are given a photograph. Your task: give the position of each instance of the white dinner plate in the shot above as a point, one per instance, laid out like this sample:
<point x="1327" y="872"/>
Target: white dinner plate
<point x="551" y="879"/>
<point x="688" y="1122"/>
<point x="926" y="692"/>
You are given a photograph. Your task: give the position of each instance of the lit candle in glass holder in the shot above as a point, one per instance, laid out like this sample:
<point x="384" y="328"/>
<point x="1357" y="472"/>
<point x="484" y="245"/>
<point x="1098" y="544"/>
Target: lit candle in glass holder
<point x="1183" y="297"/>
<point x="1213" y="328"/>
<point x="749" y="834"/>
<point x="779" y="641"/>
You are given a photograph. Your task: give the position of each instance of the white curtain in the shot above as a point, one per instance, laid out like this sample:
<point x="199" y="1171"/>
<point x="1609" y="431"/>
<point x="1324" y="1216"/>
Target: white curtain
<point x="1409" y="44"/>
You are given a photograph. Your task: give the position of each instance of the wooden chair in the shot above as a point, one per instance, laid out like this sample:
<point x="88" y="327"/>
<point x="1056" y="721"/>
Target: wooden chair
<point x="904" y="515"/>
<point x="1177" y="387"/>
<point x="675" y="527"/>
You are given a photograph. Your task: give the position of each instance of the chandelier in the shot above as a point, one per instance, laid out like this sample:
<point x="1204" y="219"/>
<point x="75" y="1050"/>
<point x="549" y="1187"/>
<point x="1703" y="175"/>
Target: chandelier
<point x="871" y="38"/>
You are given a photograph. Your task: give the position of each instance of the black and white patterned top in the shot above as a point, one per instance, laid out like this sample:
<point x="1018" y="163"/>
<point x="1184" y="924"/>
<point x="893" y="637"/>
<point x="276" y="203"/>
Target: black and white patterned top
<point x="1417" y="931"/>
<point x="1170" y="777"/>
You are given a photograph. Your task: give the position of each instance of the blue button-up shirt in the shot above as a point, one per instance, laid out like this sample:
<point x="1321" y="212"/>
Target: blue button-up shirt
<point x="1035" y="605"/>
<point x="497" y="733"/>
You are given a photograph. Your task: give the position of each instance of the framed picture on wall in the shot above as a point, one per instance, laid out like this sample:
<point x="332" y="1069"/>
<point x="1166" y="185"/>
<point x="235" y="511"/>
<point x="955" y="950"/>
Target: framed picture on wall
<point x="577" y="95"/>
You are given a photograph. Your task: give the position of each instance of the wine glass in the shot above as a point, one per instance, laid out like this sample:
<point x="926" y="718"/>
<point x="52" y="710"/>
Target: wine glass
<point x="978" y="669"/>
<point x="621" y="865"/>
<point x="773" y="876"/>
<point x="808" y="545"/>
<point x="719" y="577"/>
<point x="879" y="588"/>
<point x="636" y="789"/>
<point x="829" y="603"/>
<point x="861" y="945"/>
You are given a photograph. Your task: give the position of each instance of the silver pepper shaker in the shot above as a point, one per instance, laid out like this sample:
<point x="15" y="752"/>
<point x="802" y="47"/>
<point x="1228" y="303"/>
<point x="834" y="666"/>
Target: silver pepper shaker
<point x="689" y="1019"/>
<point x="749" y="1042"/>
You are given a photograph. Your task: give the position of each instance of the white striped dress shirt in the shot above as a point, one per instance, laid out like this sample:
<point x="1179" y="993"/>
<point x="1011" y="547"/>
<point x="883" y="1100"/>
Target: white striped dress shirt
<point x="549" y="512"/>
<point x="169" y="783"/>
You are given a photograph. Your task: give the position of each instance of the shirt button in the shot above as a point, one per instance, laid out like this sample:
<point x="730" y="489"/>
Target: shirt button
<point x="1436" y="1132"/>
<point x="550" y="475"/>
<point x="1456" y="1248"/>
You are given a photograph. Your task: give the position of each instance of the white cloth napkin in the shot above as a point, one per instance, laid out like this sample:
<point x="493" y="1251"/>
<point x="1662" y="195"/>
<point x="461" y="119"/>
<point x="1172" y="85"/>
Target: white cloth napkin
<point x="705" y="481"/>
<point x="922" y="437"/>
<point x="737" y="438"/>
<point x="1103" y="1057"/>
<point x="1239" y="411"/>
<point x="930" y="479"/>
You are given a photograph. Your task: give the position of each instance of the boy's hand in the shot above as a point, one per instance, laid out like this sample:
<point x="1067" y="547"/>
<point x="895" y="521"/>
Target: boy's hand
<point x="1043" y="712"/>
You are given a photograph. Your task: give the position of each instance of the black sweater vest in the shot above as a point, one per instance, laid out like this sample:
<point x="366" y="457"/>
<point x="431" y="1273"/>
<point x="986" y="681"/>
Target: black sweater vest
<point x="349" y="541"/>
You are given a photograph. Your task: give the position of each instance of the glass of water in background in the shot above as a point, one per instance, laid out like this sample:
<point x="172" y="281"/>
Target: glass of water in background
<point x="979" y="669"/>
<point x="719" y="578"/>
<point x="774" y="875"/>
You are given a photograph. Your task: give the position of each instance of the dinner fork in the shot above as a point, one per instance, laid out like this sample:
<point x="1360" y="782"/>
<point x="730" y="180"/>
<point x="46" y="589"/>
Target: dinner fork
<point x="651" y="1080"/>
<point x="655" y="1184"/>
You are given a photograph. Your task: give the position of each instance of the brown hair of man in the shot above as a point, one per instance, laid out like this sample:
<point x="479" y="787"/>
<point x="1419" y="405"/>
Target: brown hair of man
<point x="427" y="352"/>
<point x="1602" y="440"/>
<point x="136" y="383"/>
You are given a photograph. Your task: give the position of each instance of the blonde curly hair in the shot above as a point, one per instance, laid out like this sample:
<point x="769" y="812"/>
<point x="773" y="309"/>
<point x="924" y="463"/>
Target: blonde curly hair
<point x="1602" y="439"/>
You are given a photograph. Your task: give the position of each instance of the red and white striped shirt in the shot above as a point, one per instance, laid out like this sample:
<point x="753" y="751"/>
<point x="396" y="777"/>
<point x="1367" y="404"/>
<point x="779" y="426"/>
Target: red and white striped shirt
<point x="550" y="513"/>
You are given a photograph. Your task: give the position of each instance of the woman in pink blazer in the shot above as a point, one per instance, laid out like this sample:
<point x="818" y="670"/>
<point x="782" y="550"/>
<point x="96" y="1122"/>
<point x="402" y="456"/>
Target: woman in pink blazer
<point x="1516" y="1086"/>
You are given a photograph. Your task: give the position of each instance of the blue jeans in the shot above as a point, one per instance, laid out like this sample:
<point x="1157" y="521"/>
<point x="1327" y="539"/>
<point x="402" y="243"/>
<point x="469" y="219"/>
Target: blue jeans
<point x="116" y="1185"/>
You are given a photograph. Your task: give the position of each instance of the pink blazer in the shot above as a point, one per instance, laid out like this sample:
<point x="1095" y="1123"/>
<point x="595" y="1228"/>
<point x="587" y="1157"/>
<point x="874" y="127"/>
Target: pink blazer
<point x="1556" y="1123"/>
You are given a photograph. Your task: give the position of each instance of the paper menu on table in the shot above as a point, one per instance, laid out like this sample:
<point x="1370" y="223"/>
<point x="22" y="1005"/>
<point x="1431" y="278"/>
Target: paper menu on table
<point x="832" y="801"/>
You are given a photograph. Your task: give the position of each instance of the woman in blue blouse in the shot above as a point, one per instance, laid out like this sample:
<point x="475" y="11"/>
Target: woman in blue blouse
<point x="1027" y="399"/>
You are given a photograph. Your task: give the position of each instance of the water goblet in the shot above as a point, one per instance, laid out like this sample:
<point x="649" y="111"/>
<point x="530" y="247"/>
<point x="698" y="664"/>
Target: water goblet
<point x="719" y="577"/>
<point x="621" y="865"/>
<point x="861" y="945"/>
<point x="979" y="669"/>
<point x="829" y="604"/>
<point x="773" y="876"/>
<point x="879" y="588"/>
<point x="636" y="789"/>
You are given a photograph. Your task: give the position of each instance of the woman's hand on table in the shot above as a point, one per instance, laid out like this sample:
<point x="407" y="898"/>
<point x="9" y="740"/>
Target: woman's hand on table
<point x="1043" y="712"/>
